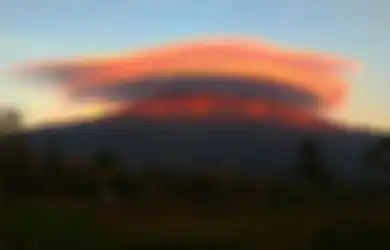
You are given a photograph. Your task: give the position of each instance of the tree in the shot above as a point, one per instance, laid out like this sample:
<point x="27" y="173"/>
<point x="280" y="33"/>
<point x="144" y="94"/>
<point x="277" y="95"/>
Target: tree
<point x="53" y="168"/>
<point x="377" y="155"/>
<point x="54" y="159"/>
<point x="14" y="152"/>
<point x="13" y="143"/>
<point x="10" y="121"/>
<point x="378" y="163"/>
<point x="310" y="166"/>
<point x="157" y="185"/>
<point x="106" y="164"/>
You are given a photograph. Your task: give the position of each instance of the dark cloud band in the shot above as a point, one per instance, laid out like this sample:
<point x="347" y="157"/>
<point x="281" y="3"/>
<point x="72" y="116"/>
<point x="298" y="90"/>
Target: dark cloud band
<point x="182" y="85"/>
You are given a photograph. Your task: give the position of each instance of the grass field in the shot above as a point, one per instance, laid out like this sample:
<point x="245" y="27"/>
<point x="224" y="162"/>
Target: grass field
<point x="79" y="226"/>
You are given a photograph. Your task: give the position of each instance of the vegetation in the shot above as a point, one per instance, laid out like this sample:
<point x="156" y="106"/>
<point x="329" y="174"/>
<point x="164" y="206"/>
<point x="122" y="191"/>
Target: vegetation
<point x="50" y="202"/>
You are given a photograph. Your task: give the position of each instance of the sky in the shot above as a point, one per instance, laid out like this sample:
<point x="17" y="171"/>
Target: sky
<point x="33" y="30"/>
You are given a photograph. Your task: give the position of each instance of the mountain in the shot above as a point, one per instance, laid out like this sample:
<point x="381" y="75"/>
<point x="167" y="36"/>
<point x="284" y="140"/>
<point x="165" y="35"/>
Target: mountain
<point x="185" y="144"/>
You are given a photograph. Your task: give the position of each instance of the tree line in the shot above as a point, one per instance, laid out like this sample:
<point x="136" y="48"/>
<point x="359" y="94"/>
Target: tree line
<point x="104" y="177"/>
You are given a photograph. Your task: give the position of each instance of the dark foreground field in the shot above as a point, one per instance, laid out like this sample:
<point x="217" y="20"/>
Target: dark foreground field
<point x="76" y="225"/>
<point x="52" y="202"/>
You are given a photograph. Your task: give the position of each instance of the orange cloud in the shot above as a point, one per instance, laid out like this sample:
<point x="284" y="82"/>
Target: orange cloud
<point x="318" y="74"/>
<point x="220" y="108"/>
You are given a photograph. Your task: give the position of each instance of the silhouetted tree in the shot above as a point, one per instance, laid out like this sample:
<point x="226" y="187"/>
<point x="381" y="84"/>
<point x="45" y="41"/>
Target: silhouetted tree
<point x="13" y="148"/>
<point x="107" y="165"/>
<point x="54" y="158"/>
<point x="158" y="186"/>
<point x="10" y="148"/>
<point x="15" y="161"/>
<point x="10" y="121"/>
<point x="53" y="168"/>
<point x="310" y="166"/>
<point x="378" y="163"/>
<point x="379" y="154"/>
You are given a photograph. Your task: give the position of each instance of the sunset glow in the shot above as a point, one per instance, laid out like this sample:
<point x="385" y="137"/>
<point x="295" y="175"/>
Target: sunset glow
<point x="318" y="75"/>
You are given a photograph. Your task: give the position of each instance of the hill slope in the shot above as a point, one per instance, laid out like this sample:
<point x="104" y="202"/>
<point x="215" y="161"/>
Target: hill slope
<point x="250" y="146"/>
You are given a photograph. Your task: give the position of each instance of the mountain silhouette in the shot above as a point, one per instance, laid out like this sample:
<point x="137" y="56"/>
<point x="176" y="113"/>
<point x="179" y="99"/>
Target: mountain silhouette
<point x="255" y="146"/>
<point x="208" y="121"/>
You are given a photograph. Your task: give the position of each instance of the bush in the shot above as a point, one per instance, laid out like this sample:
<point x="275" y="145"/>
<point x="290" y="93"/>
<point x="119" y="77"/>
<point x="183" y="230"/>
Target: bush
<point x="33" y="227"/>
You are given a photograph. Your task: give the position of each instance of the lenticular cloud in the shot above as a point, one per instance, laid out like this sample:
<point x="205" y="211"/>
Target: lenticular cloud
<point x="207" y="78"/>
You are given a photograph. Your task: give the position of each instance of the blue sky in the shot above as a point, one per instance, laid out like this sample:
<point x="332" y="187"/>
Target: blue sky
<point x="40" y="29"/>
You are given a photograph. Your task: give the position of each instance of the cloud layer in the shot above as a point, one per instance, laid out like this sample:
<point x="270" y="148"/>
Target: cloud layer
<point x="298" y="77"/>
<point x="182" y="85"/>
